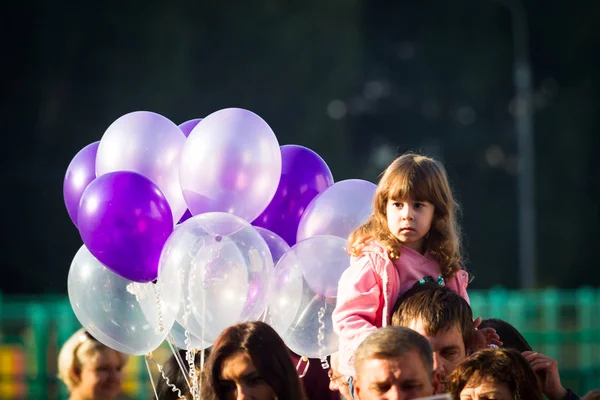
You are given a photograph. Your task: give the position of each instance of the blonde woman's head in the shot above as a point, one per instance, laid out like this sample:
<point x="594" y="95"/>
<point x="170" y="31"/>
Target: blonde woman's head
<point x="89" y="368"/>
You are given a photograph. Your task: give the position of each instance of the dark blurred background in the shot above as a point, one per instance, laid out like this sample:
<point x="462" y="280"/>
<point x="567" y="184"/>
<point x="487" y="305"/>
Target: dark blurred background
<point x="357" y="81"/>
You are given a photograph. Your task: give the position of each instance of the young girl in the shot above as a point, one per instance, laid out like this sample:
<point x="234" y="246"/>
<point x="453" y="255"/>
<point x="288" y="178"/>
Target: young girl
<point x="412" y="237"/>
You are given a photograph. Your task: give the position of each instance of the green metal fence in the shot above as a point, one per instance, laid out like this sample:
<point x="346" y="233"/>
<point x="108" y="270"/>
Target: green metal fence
<point x="563" y="324"/>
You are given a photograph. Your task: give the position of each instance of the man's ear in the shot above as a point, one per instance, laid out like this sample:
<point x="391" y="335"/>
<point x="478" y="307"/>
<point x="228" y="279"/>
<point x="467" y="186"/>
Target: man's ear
<point x="436" y="382"/>
<point x="75" y="376"/>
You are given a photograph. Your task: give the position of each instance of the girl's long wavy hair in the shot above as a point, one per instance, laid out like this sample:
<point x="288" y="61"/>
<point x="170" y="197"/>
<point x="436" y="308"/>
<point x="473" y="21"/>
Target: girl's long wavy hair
<point x="421" y="178"/>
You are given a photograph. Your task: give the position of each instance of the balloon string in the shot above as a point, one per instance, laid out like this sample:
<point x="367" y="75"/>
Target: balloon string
<point x="190" y="357"/>
<point x="321" y="336"/>
<point x="203" y="330"/>
<point x="161" y="326"/>
<point x="190" y="354"/>
<point x="174" y="388"/>
<point x="178" y="358"/>
<point x="150" y="374"/>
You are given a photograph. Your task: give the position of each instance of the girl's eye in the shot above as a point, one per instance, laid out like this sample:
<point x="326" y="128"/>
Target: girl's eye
<point x="396" y="204"/>
<point x="419" y="205"/>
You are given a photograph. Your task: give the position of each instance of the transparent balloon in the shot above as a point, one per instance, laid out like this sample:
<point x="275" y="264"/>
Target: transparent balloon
<point x="231" y="163"/>
<point x="130" y="317"/>
<point x="338" y="210"/>
<point x="277" y="246"/>
<point x="149" y="144"/>
<point x="224" y="269"/>
<point x="303" y="297"/>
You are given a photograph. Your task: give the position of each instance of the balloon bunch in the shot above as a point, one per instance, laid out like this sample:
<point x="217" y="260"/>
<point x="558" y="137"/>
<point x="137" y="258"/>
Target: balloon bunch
<point x="187" y="229"/>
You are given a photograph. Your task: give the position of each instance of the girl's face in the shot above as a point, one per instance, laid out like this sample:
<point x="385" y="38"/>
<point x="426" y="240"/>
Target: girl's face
<point x="410" y="221"/>
<point x="100" y="377"/>
<point x="239" y="379"/>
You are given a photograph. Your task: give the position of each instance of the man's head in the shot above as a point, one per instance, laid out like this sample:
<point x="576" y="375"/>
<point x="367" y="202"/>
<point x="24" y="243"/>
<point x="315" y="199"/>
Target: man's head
<point x="395" y="363"/>
<point x="443" y="317"/>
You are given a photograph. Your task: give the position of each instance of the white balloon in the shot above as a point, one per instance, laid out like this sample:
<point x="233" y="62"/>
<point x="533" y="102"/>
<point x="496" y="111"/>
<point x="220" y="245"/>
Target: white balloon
<point x="338" y="210"/>
<point x="130" y="317"/>
<point x="149" y="144"/>
<point x="224" y="269"/>
<point x="230" y="163"/>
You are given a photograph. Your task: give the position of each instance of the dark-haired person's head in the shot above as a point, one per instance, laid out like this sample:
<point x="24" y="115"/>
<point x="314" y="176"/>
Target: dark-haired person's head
<point x="502" y="374"/>
<point x="511" y="338"/>
<point x="250" y="360"/>
<point x="443" y="317"/>
<point x="177" y="376"/>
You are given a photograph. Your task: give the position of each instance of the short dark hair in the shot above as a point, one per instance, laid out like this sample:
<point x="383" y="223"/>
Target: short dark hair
<point x="393" y="341"/>
<point x="438" y="307"/>
<point x="506" y="366"/>
<point x="268" y="353"/>
<point x="511" y="338"/>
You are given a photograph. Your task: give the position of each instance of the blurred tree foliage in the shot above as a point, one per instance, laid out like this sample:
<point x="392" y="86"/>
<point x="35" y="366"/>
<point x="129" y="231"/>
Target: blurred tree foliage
<point x="358" y="82"/>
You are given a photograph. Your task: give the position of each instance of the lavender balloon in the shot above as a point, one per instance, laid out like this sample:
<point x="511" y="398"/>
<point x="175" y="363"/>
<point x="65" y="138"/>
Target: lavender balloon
<point x="124" y="220"/>
<point x="277" y="246"/>
<point x="187" y="126"/>
<point x="80" y="173"/>
<point x="339" y="210"/>
<point x="230" y="163"/>
<point x="304" y="295"/>
<point x="304" y="175"/>
<point x="149" y="144"/>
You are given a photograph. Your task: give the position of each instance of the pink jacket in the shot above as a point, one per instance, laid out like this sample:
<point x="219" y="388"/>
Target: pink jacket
<point x="369" y="288"/>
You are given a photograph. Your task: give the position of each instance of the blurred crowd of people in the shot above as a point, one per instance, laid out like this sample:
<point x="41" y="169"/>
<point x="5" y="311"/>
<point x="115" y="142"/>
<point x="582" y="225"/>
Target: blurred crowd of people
<point x="428" y="350"/>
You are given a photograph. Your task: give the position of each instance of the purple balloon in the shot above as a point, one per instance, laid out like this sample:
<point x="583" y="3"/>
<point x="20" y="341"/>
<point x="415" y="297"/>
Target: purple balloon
<point x="187" y="215"/>
<point x="124" y="220"/>
<point x="80" y="173"/>
<point x="187" y="126"/>
<point x="304" y="175"/>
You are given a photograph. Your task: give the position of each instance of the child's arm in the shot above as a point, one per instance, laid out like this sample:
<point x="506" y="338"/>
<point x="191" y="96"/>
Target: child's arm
<point x="358" y="301"/>
<point x="357" y="310"/>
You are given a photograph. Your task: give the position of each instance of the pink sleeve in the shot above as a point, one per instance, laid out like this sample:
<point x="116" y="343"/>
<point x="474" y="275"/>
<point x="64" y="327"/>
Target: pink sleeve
<point x="358" y="300"/>
<point x="459" y="284"/>
<point x="355" y="315"/>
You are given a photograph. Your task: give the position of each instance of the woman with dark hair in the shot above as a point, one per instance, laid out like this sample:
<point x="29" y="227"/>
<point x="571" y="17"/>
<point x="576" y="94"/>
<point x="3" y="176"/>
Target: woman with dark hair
<point x="178" y="378"/>
<point x="500" y="373"/>
<point x="250" y="359"/>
